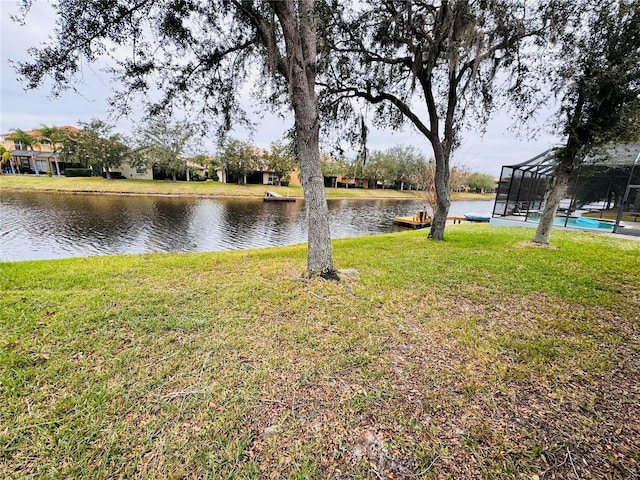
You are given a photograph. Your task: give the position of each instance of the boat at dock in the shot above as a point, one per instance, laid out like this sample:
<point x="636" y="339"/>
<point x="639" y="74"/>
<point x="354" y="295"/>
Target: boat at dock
<point x="477" y="217"/>
<point x="470" y="217"/>
<point x="276" y="197"/>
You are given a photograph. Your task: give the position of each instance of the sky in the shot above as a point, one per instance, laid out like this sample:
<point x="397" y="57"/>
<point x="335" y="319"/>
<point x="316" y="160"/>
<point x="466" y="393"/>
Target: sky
<point x="500" y="145"/>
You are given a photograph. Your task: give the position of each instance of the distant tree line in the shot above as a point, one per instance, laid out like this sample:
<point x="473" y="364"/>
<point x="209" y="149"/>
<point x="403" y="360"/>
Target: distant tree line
<point x="404" y="167"/>
<point x="164" y="146"/>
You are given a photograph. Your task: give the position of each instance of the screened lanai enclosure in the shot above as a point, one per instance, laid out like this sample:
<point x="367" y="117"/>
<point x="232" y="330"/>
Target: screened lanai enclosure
<point x="603" y="193"/>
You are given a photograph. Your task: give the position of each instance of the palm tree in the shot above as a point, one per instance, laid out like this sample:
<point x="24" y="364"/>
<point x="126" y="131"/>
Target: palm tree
<point x="26" y="142"/>
<point x="6" y="158"/>
<point x="55" y="135"/>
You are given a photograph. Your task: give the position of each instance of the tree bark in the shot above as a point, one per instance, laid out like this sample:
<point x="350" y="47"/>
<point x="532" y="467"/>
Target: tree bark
<point x="299" y="31"/>
<point x="443" y="197"/>
<point x="551" y="203"/>
<point x="566" y="164"/>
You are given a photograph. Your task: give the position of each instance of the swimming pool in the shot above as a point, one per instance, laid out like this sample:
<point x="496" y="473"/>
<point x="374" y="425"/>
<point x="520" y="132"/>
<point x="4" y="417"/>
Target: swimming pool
<point x="580" y="222"/>
<point x="573" y="222"/>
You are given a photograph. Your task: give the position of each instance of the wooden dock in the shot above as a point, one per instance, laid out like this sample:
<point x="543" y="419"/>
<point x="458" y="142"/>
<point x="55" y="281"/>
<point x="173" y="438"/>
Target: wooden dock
<point x="276" y="197"/>
<point x="422" y="220"/>
<point x="416" y="221"/>
<point x="468" y="218"/>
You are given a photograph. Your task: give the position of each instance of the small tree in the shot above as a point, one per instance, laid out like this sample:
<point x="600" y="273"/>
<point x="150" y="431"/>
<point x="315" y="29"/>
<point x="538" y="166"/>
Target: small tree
<point x="96" y="146"/>
<point x="481" y="183"/>
<point x="380" y="168"/>
<point x="6" y="158"/>
<point x="165" y="160"/>
<point x="71" y="151"/>
<point x="409" y="162"/>
<point x="280" y="160"/>
<point x="163" y="144"/>
<point x="426" y="183"/>
<point x="238" y="159"/>
<point x="333" y="166"/>
<point x="458" y="178"/>
<point x="26" y="141"/>
<point x="56" y="136"/>
<point x="203" y="161"/>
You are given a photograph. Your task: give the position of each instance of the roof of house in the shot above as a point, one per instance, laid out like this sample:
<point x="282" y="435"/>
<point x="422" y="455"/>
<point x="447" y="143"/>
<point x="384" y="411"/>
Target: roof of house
<point x="36" y="131"/>
<point x="29" y="153"/>
<point x="21" y="153"/>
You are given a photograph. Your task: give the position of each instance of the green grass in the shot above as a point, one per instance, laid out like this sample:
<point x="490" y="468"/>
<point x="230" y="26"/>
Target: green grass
<point x="613" y="215"/>
<point x="212" y="189"/>
<point x="478" y="357"/>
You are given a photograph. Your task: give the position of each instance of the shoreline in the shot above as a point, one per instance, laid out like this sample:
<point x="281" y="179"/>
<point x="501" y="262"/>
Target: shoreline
<point x="195" y="189"/>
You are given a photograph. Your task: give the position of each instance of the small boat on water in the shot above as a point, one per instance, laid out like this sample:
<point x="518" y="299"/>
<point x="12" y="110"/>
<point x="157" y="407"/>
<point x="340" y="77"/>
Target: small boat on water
<point x="276" y="197"/>
<point x="419" y="220"/>
<point x="477" y="217"/>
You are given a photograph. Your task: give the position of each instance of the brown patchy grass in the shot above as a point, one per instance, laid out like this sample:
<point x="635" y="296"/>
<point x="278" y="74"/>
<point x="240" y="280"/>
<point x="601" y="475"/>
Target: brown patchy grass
<point x="479" y="357"/>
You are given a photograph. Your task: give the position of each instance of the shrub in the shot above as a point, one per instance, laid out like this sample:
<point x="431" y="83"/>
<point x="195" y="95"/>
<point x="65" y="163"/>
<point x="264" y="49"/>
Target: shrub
<point x="114" y="175"/>
<point x="77" y="172"/>
<point x="196" y="177"/>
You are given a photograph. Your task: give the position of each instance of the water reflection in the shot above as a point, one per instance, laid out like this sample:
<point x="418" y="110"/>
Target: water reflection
<point x="169" y="225"/>
<point x="45" y="225"/>
<point x="249" y="223"/>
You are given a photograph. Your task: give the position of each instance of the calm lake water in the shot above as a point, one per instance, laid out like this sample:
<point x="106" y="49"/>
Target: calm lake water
<point x="44" y="225"/>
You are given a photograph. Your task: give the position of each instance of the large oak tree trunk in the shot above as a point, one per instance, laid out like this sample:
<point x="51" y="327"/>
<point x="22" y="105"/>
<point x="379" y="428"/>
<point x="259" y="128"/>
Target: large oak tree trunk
<point x="299" y="30"/>
<point x="319" y="255"/>
<point x="443" y="197"/>
<point x="552" y="201"/>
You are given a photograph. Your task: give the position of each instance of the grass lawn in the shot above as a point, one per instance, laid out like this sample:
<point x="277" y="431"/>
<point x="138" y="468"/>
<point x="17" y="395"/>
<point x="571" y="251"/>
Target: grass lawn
<point x="479" y="357"/>
<point x="212" y="189"/>
<point x="612" y="215"/>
